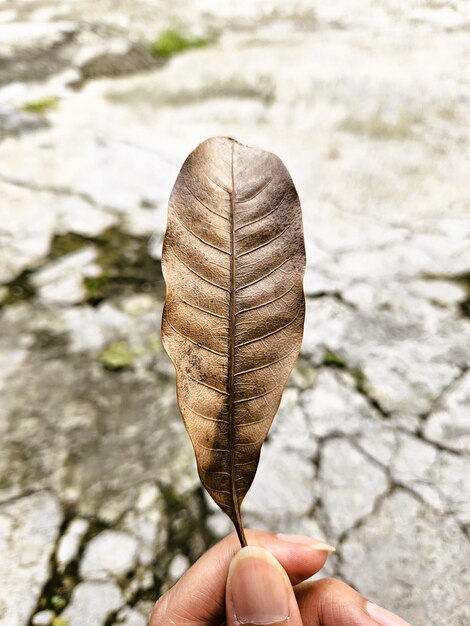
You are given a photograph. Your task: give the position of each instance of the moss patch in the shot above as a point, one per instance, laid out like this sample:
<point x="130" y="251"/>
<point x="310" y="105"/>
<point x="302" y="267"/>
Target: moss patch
<point x="58" y="603"/>
<point x="58" y="590"/>
<point x="359" y="378"/>
<point x="187" y="530"/>
<point x="118" y="356"/>
<point x="42" y="105"/>
<point x="18" y="290"/>
<point x="127" y="267"/>
<point x="95" y="284"/>
<point x="172" y="41"/>
<point x="331" y="359"/>
<point x="66" y="244"/>
<point x="126" y="264"/>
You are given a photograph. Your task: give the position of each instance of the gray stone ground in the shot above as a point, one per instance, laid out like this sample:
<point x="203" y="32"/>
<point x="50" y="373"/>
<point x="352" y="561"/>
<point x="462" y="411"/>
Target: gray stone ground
<point x="367" y="103"/>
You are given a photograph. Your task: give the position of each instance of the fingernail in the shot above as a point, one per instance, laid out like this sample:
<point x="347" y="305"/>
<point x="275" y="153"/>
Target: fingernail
<point x="259" y="588"/>
<point x="314" y="544"/>
<point x="384" y="617"/>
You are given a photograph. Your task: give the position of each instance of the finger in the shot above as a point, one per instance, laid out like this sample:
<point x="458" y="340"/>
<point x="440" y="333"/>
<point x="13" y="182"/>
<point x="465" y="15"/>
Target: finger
<point x="330" y="602"/>
<point x="259" y="591"/>
<point x="199" y="596"/>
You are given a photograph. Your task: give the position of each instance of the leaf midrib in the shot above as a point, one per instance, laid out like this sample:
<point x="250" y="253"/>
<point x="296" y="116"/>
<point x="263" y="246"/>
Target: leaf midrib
<point x="231" y="362"/>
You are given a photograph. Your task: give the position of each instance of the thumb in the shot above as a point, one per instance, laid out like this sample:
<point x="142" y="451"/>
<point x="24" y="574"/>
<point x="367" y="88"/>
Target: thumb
<point x="259" y="591"/>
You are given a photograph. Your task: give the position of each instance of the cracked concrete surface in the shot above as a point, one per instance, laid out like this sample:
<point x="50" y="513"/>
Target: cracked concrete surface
<point x="100" y="505"/>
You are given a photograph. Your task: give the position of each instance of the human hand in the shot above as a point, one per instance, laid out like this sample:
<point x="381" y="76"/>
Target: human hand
<point x="263" y="584"/>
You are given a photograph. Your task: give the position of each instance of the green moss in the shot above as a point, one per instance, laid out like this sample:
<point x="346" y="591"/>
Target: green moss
<point x="117" y="356"/>
<point x="362" y="384"/>
<point x="334" y="360"/>
<point x="126" y="265"/>
<point x="18" y="290"/>
<point x="126" y="268"/>
<point x="60" y="621"/>
<point x="58" y="603"/>
<point x="95" y="285"/>
<point x="58" y="590"/>
<point x="42" y="105"/>
<point x="122" y="254"/>
<point x="187" y="530"/>
<point x="172" y="41"/>
<point x="359" y="378"/>
<point x="21" y="288"/>
<point x="66" y="244"/>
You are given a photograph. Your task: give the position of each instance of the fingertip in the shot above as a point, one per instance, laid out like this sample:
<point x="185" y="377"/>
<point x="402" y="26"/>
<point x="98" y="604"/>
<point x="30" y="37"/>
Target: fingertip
<point x="259" y="590"/>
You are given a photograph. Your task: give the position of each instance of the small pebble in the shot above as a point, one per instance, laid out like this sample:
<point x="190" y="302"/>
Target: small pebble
<point x="43" y="618"/>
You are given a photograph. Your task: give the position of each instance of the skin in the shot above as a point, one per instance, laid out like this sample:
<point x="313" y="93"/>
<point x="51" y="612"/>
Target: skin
<point x="202" y="597"/>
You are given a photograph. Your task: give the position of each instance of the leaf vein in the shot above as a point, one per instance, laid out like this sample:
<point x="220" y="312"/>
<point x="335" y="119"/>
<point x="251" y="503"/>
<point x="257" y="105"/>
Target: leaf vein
<point x="261" y="367"/>
<point x="204" y="384"/>
<point x="261" y="395"/>
<point x="207" y="280"/>
<point x="200" y="308"/>
<point x="265" y="215"/>
<point x="200" y="345"/>
<point x="206" y="417"/>
<point x="258" y="280"/>
<point x="205" y="205"/>
<point x="260" y="306"/>
<point x="201" y="239"/>
<point x="264" y="244"/>
<point x="273" y="332"/>
<point x="251" y="443"/>
<point x="258" y="191"/>
<point x="217" y="184"/>
<point x="201" y="445"/>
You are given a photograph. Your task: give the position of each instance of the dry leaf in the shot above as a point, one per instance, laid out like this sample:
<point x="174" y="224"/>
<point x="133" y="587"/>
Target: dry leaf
<point x="233" y="262"/>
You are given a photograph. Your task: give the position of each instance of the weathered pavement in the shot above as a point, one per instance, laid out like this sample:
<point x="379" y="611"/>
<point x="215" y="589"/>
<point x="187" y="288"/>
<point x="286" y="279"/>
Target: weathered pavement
<point x="100" y="508"/>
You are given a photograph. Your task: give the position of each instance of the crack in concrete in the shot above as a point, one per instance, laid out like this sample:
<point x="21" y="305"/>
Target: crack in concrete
<point x="59" y="191"/>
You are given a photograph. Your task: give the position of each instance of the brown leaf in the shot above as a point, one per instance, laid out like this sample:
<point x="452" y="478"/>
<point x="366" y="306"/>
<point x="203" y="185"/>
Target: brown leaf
<point x="233" y="262"/>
